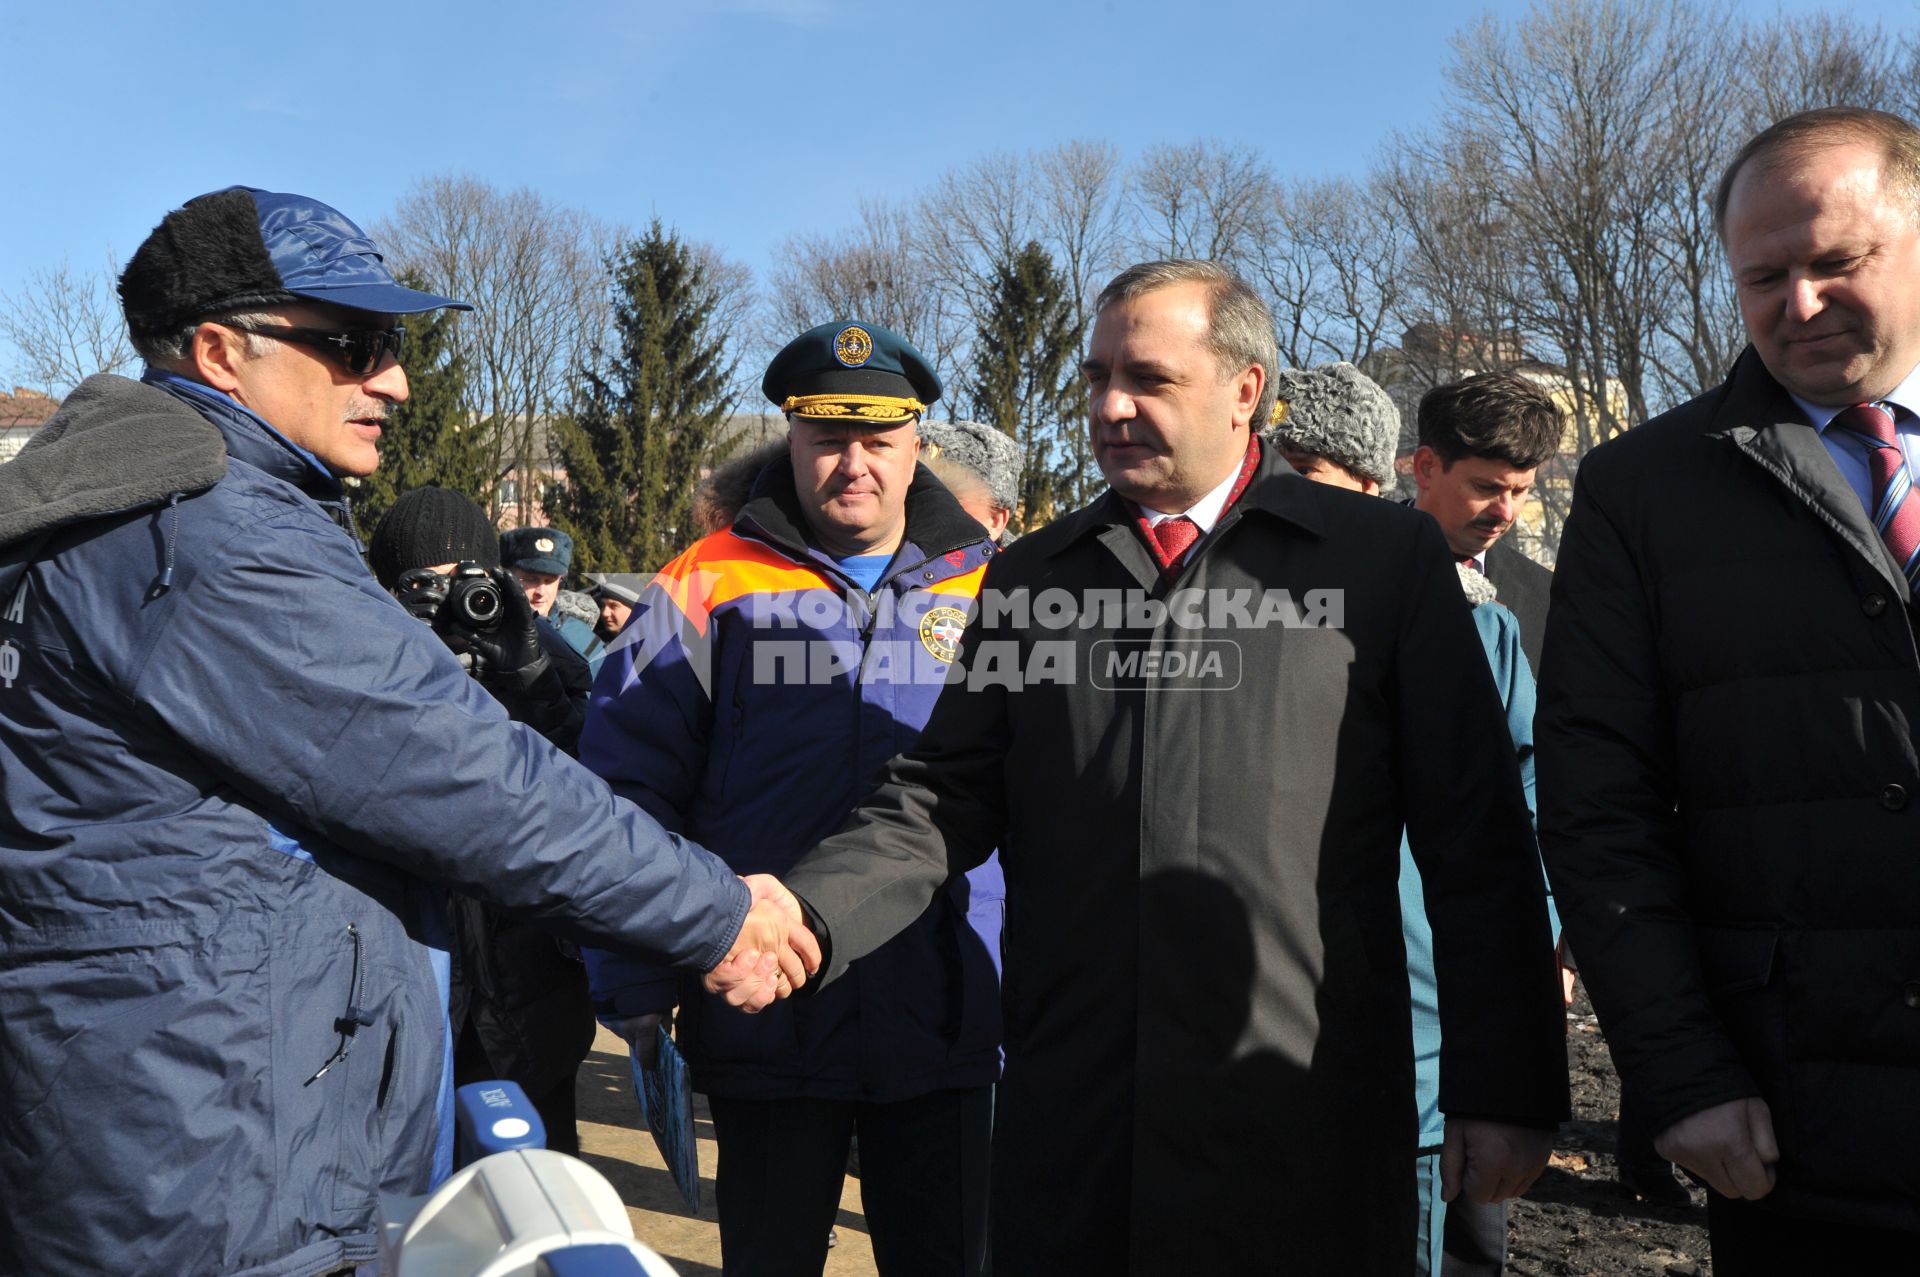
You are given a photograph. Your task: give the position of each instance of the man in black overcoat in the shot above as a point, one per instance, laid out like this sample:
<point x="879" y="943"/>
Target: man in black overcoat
<point x="1194" y="717"/>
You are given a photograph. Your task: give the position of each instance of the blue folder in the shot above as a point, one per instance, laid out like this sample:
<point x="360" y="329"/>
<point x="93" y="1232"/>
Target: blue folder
<point x="665" y="1092"/>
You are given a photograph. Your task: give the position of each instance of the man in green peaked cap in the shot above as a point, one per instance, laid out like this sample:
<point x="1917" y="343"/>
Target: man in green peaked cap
<point x="777" y="664"/>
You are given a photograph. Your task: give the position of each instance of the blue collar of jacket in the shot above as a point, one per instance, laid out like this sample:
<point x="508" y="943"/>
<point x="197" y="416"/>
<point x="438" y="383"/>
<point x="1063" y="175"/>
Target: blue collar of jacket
<point x="250" y="438"/>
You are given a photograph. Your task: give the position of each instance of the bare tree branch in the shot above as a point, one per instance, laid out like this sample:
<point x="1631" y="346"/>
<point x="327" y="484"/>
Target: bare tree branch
<point x="533" y="271"/>
<point x="877" y="272"/>
<point x="66" y="326"/>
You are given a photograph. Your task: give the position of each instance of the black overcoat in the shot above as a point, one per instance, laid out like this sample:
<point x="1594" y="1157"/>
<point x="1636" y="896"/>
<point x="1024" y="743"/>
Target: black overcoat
<point x="1208" y="1041"/>
<point x="1727" y="776"/>
<point x="1525" y="588"/>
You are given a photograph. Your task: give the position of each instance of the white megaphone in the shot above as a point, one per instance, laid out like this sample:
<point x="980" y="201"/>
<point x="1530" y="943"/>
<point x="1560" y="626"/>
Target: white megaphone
<point x="515" y="1209"/>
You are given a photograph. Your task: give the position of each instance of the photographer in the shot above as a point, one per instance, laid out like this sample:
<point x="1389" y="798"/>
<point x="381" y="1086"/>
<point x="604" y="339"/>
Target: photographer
<point x="519" y="1006"/>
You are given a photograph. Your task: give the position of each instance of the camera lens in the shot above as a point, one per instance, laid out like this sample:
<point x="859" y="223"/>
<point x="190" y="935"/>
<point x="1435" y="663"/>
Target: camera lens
<point x="480" y="604"/>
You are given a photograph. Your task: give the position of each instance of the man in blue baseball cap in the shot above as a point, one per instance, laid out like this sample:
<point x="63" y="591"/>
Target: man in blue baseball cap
<point x="237" y="779"/>
<point x="292" y="307"/>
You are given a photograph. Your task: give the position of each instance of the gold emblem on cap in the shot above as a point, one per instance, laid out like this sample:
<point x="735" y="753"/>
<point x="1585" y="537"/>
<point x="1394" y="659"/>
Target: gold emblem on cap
<point x="853" y="345"/>
<point x="940" y="632"/>
<point x="544" y="545"/>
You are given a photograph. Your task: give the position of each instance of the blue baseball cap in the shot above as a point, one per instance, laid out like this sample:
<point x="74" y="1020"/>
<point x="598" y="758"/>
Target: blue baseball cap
<point x="243" y="247"/>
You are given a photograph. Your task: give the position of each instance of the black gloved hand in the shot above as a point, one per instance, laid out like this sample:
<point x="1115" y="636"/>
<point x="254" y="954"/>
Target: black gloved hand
<point x="505" y="655"/>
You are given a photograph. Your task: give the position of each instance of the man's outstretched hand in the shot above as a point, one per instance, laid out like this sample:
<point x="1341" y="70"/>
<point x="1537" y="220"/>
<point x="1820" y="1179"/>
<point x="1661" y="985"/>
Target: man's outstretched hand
<point x="774" y="953"/>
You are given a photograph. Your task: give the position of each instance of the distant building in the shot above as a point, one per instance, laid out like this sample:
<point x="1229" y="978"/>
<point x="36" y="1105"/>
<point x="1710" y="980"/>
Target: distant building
<point x="21" y="413"/>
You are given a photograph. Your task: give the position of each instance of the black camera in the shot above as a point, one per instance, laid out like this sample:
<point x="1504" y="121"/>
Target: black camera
<point x="467" y="596"/>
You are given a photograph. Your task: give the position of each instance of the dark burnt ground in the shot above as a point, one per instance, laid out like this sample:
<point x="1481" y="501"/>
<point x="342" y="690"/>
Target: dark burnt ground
<point x="1577" y="1222"/>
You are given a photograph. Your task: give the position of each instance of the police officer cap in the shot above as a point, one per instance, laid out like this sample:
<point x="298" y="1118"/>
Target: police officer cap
<point x="537" y="550"/>
<point x="851" y="371"/>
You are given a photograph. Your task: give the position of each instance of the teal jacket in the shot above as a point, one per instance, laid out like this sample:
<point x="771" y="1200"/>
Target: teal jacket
<point x="1500" y="632"/>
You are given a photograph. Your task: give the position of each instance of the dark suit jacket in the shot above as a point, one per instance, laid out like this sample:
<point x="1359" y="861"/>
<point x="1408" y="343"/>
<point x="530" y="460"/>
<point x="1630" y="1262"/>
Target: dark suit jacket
<point x="1206" y="1004"/>
<point x="1523" y="587"/>
<point x="1727" y="771"/>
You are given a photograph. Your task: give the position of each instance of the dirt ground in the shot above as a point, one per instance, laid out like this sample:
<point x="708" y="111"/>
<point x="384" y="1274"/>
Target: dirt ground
<point x="1575" y="1222"/>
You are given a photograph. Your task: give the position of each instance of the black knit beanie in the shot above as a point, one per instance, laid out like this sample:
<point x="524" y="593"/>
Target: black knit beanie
<point x="431" y="526"/>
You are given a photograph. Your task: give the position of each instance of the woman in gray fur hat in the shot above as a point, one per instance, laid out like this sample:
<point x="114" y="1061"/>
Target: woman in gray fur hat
<point x="1335" y="425"/>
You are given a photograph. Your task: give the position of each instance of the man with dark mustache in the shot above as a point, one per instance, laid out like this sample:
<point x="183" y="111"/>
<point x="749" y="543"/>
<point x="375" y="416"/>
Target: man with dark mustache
<point x="1482" y="442"/>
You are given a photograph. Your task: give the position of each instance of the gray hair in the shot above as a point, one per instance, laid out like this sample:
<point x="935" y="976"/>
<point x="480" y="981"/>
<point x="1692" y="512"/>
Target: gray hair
<point x="962" y="481"/>
<point x="176" y="344"/>
<point x="1239" y="325"/>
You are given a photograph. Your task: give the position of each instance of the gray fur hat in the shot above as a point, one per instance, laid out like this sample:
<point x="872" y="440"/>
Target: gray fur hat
<point x="1338" y="412"/>
<point x="988" y="452"/>
<point x="577" y="605"/>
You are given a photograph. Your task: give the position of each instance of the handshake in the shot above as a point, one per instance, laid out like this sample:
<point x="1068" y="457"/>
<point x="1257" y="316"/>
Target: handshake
<point x="774" y="953"/>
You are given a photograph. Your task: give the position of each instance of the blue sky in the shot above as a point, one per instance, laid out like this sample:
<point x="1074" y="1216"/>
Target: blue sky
<point x="741" y="122"/>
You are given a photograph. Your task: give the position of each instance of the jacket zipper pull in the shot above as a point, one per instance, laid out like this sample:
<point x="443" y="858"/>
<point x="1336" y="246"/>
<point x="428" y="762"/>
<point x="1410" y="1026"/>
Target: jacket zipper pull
<point x="165" y="583"/>
<point x="353" y="1020"/>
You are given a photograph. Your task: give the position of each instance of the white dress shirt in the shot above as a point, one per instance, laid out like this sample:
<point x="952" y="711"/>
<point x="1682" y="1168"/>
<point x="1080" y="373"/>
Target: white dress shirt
<point x="1207" y="510"/>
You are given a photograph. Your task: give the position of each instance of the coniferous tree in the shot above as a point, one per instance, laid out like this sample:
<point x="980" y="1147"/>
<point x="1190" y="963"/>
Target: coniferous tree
<point x="1027" y="383"/>
<point x="649" y="409"/>
<point x="429" y="438"/>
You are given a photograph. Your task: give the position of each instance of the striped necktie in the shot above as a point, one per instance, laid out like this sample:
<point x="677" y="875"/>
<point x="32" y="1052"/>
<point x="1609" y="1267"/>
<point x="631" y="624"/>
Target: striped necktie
<point x="1896" y="515"/>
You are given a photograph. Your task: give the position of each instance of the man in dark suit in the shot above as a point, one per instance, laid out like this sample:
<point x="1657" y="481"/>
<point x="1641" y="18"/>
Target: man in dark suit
<point x="1482" y="440"/>
<point x="1195" y="716"/>
<point x="1727" y="756"/>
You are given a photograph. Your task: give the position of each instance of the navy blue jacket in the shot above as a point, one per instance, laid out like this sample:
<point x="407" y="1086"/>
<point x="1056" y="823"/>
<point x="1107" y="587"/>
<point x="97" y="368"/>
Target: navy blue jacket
<point x="751" y="706"/>
<point x="233" y="775"/>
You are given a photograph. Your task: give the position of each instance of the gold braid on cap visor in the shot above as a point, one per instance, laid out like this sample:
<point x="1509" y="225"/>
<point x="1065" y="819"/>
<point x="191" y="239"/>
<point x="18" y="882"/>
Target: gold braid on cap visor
<point x="882" y="409"/>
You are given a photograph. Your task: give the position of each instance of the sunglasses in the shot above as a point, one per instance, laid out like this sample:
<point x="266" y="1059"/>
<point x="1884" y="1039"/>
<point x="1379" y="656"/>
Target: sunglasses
<point x="361" y="351"/>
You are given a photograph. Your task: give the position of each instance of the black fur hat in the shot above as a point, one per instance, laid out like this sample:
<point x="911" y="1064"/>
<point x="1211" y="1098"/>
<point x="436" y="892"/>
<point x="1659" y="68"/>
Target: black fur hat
<point x="243" y="247"/>
<point x="204" y="257"/>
